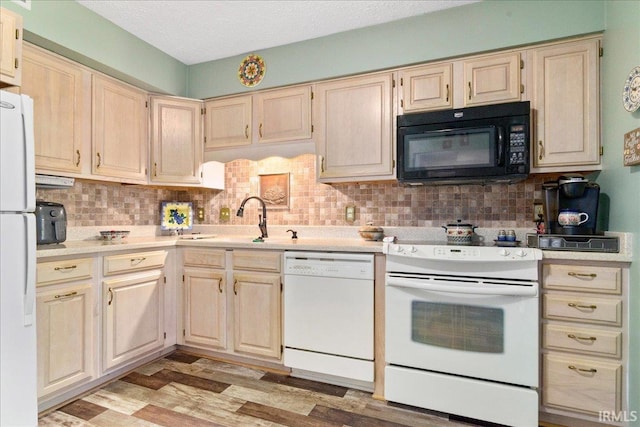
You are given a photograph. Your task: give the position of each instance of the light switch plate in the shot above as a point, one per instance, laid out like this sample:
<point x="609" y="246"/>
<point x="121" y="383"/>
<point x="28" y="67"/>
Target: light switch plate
<point x="350" y="214"/>
<point x="538" y="211"/>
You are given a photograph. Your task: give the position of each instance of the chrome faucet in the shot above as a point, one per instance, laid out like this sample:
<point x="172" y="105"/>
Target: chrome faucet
<point x="263" y="218"/>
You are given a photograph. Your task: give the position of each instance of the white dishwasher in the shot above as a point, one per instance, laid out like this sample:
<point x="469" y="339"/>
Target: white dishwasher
<point x="328" y="315"/>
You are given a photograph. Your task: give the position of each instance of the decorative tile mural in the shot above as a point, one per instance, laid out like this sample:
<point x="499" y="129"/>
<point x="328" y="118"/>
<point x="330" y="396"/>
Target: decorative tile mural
<point x="93" y="203"/>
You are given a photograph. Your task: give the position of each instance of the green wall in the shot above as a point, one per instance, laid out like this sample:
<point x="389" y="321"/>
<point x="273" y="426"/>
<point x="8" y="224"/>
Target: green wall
<point x="622" y="184"/>
<point x="72" y="30"/>
<point x="477" y="27"/>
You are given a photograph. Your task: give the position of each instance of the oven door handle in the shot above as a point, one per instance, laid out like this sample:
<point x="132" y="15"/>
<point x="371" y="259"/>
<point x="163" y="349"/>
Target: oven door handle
<point x="480" y="288"/>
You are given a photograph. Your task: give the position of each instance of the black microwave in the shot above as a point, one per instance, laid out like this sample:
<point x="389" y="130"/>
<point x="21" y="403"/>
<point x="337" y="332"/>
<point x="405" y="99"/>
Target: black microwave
<point x="475" y="145"/>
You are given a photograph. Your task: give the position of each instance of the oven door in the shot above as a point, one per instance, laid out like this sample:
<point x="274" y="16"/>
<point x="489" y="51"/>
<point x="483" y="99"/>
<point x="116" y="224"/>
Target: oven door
<point x="466" y="327"/>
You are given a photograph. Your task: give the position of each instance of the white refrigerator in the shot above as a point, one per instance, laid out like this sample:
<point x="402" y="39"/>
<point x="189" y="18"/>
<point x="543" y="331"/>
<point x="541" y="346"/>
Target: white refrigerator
<point x="18" y="391"/>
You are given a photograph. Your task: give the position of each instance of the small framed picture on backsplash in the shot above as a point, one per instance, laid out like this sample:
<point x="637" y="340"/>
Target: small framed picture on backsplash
<point x="274" y="190"/>
<point x="176" y="216"/>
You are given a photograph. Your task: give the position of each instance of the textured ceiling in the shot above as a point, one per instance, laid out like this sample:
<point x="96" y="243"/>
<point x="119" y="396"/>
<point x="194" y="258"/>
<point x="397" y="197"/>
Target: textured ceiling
<point x="195" y="31"/>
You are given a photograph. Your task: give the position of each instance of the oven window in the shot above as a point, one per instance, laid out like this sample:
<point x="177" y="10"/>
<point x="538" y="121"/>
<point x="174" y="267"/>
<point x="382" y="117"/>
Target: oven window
<point x="468" y="147"/>
<point x="457" y="326"/>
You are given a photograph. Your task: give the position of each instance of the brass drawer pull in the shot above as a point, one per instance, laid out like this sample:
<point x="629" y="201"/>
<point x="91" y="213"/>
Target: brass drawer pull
<point x="575" y="337"/>
<point x="70" y="267"/>
<point x="137" y="260"/>
<point x="220" y="285"/>
<point x="589" y="307"/>
<point x="110" y="292"/>
<point x="591" y="275"/>
<point x="235" y="287"/>
<point x="70" y="294"/>
<point x="591" y="370"/>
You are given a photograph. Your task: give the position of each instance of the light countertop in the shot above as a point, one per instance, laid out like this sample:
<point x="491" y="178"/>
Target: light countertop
<point x="85" y="241"/>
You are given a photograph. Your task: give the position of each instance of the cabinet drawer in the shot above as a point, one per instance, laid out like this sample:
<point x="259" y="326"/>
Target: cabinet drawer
<point x="582" y="278"/>
<point x="48" y="273"/>
<point x="137" y="261"/>
<point x="204" y="258"/>
<point x="584" y="385"/>
<point x="593" y="341"/>
<point x="257" y="260"/>
<point x="583" y="308"/>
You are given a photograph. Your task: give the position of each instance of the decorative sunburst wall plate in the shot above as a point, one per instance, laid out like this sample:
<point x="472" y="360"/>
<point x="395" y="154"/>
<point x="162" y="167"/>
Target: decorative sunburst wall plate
<point x="251" y="71"/>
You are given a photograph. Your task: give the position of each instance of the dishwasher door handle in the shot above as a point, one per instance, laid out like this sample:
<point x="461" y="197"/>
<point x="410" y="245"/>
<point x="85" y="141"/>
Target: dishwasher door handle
<point x="477" y="288"/>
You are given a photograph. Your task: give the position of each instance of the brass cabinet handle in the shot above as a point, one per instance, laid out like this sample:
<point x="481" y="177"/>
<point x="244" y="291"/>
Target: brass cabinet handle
<point x="575" y="337"/>
<point x="469" y="91"/>
<point x="235" y="287"/>
<point x="155" y="169"/>
<point x="322" y="164"/>
<point x="110" y="292"/>
<point x="246" y="131"/>
<point x="99" y="160"/>
<point x="540" y="150"/>
<point x="78" y="159"/>
<point x="574" y="305"/>
<point x="70" y="294"/>
<point x="67" y="268"/>
<point x="447" y="93"/>
<point x="137" y="260"/>
<point x="590" y="370"/>
<point x="591" y="275"/>
<point x="220" y="285"/>
<point x="260" y="130"/>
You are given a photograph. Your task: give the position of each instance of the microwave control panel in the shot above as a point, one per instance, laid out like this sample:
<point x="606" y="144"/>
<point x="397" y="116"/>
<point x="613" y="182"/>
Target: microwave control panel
<point x="517" y="145"/>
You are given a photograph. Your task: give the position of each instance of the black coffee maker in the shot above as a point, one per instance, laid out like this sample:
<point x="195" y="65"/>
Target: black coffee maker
<point x="571" y="193"/>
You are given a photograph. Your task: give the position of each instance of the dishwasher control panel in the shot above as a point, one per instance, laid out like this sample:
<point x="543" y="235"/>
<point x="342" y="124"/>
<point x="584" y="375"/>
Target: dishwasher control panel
<point x="329" y="264"/>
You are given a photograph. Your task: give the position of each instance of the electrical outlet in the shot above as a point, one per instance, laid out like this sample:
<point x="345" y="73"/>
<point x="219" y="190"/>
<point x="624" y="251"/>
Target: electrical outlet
<point x="350" y="213"/>
<point x="538" y="211"/>
<point x="200" y="213"/>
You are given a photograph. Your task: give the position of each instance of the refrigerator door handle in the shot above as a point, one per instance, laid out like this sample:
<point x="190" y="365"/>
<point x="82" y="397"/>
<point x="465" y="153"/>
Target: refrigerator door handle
<point x="30" y="274"/>
<point x="29" y="151"/>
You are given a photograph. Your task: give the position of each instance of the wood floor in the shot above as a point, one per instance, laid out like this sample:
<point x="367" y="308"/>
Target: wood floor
<point x="184" y="390"/>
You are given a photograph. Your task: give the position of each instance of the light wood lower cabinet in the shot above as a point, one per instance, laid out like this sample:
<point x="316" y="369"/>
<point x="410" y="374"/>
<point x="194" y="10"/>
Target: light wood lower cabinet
<point x="232" y="301"/>
<point x="132" y="309"/>
<point x="65" y="348"/>
<point x="65" y="324"/>
<point x="584" y="357"/>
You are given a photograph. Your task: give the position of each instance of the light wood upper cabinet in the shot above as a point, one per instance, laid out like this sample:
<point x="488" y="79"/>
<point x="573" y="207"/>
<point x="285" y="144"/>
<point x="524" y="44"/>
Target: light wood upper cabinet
<point x="10" y="48"/>
<point x="567" y="105"/>
<point x="61" y="92"/>
<point x="176" y="140"/>
<point x="228" y="122"/>
<point x="354" y="128"/>
<point x="492" y="79"/>
<point x="278" y="115"/>
<point x="284" y="114"/>
<point x="120" y="131"/>
<point x="425" y="88"/>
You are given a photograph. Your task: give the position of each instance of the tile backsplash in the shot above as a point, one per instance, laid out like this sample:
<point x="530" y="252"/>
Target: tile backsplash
<point x="94" y="203"/>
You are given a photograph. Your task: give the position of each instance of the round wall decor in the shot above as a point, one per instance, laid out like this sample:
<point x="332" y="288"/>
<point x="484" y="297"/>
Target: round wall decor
<point x="251" y="71"/>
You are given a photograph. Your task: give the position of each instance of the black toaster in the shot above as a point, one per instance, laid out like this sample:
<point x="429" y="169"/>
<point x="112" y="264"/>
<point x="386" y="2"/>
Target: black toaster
<point x="51" y="222"/>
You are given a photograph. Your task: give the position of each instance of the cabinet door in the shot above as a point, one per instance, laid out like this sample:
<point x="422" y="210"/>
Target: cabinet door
<point x="120" y="131"/>
<point x="65" y="345"/>
<point x="61" y="91"/>
<point x="228" y="122"/>
<point x="284" y="114"/>
<point x="205" y="307"/>
<point x="566" y="102"/>
<point x="426" y="88"/>
<point x="492" y="79"/>
<point x="132" y="317"/>
<point x="176" y="140"/>
<point x="355" y="138"/>
<point x="257" y="318"/>
<point x="11" y="48"/>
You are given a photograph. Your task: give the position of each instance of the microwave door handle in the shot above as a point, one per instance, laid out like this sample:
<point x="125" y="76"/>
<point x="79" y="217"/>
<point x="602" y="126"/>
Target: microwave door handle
<point x="500" y="154"/>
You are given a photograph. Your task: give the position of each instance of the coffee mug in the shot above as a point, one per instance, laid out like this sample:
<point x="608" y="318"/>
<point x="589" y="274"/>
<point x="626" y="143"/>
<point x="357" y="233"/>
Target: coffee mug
<point x="569" y="217"/>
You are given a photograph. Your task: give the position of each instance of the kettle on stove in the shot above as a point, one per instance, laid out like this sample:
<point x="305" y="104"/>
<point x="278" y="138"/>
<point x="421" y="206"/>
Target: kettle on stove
<point x="51" y="222"/>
